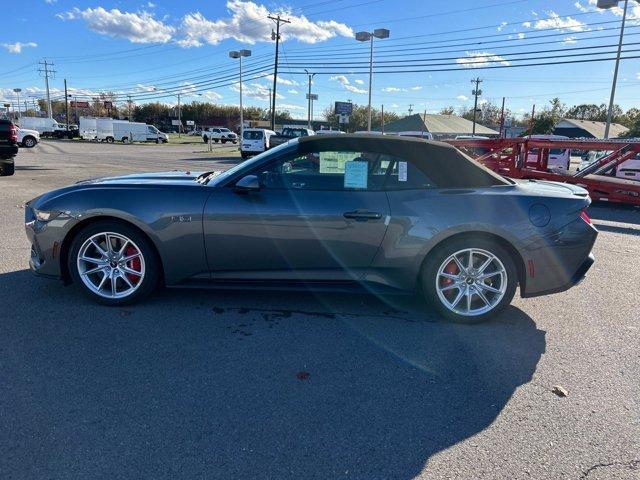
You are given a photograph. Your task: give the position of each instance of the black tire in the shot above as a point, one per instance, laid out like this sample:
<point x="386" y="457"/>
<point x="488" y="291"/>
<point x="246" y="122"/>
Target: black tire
<point x="151" y="262"/>
<point x="216" y="140"/>
<point x="435" y="260"/>
<point x="29" y="141"/>
<point x="205" y="139"/>
<point x="224" y="140"/>
<point x="109" y="139"/>
<point x="7" y="168"/>
<point x="157" y="140"/>
<point x="125" y="140"/>
<point x="244" y="155"/>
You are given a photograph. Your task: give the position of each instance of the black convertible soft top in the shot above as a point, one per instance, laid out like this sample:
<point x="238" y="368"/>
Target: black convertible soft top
<point x="444" y="164"/>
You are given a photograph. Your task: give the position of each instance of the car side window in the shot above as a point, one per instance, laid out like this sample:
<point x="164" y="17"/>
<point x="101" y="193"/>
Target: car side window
<point x="406" y="175"/>
<point x="327" y="170"/>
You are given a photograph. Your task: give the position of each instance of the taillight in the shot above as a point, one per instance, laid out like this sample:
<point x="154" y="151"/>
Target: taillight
<point x="13" y="134"/>
<point x="585" y="217"/>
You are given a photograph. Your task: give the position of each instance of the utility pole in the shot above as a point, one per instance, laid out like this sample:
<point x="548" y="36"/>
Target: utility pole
<point x="502" y="119"/>
<point x="532" y="120"/>
<point x="179" y="117"/>
<point x="410" y="108"/>
<point x="66" y="106"/>
<point x="129" y="106"/>
<point x="476" y="93"/>
<point x="270" y="105"/>
<point x="275" y="36"/>
<point x="47" y="72"/>
<point x="382" y="118"/>
<point x="17" y="92"/>
<point x="75" y="107"/>
<point x="309" y="99"/>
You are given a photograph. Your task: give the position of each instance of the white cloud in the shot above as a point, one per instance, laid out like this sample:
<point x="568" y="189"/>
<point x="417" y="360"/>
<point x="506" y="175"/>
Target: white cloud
<point x="481" y="59"/>
<point x="151" y="5"/>
<point x="358" y="81"/>
<point x="502" y="25"/>
<point x="18" y="46"/>
<point x="283" y="81"/>
<point x="289" y="106"/>
<point x="564" y="24"/>
<point x="50" y="1"/>
<point x="569" y="40"/>
<point x="248" y="23"/>
<point x="293" y="91"/>
<point x="521" y="35"/>
<point x="527" y="24"/>
<point x="393" y="89"/>
<point x="211" y="95"/>
<point x="145" y="88"/>
<point x="139" y="27"/>
<point x="462" y="98"/>
<point x="416" y="88"/>
<point x="256" y="91"/>
<point x="344" y="81"/>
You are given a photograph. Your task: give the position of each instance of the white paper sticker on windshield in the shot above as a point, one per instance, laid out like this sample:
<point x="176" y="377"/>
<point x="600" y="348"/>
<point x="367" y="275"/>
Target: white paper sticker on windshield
<point x="333" y="162"/>
<point x="355" y="174"/>
<point x="402" y="171"/>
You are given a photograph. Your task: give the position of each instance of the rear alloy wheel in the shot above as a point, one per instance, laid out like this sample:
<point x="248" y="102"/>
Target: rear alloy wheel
<point x="469" y="281"/>
<point x="114" y="264"/>
<point x="29" y="142"/>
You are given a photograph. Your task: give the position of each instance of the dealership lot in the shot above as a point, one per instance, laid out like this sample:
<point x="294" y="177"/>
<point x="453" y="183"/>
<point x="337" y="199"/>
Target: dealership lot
<point x="210" y="384"/>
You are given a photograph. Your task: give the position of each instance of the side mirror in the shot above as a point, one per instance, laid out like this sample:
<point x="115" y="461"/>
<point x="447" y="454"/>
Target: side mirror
<point x="247" y="184"/>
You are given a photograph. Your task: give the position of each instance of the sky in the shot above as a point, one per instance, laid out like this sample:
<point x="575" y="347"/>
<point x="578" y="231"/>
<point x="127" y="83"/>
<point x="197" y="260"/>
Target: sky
<point x="153" y="50"/>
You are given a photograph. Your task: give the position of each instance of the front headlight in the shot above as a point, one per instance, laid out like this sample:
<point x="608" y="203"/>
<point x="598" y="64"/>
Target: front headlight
<point x="46" y="216"/>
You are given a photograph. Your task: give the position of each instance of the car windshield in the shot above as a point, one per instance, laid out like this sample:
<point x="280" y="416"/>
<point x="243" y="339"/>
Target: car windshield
<point x="249" y="163"/>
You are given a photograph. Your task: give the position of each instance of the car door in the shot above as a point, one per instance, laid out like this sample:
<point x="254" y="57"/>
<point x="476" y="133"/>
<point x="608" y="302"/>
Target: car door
<point x="317" y="216"/>
<point x="151" y="134"/>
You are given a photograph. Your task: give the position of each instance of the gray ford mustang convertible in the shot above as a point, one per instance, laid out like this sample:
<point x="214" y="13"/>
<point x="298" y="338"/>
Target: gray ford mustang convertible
<point x="392" y="214"/>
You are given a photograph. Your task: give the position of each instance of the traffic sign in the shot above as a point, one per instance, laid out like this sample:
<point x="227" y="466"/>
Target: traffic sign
<point x="312" y="96"/>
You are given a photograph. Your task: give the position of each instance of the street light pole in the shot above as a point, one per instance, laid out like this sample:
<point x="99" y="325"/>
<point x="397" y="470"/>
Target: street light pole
<point x="364" y="37"/>
<point x="309" y="99"/>
<point x="609" y="4"/>
<point x="18" y="90"/>
<point x="239" y="54"/>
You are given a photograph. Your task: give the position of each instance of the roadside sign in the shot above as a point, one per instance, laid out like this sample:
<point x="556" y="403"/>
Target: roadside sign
<point x="175" y="122"/>
<point x="313" y="96"/>
<point x="191" y="122"/>
<point x="343" y="118"/>
<point x="344" y="108"/>
<point x="79" y="104"/>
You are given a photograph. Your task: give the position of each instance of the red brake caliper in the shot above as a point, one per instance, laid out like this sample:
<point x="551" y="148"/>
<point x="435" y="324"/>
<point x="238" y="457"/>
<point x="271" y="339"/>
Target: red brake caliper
<point x="451" y="269"/>
<point x="133" y="264"/>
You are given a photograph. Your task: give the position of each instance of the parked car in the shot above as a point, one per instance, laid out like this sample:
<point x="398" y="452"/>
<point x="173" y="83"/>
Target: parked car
<point x="8" y="147"/>
<point x="396" y="214"/>
<point x="255" y="140"/>
<point x="559" y="158"/>
<point x="289" y="133"/>
<point x="28" y="138"/>
<point x="219" y="134"/>
<point x="196" y="132"/>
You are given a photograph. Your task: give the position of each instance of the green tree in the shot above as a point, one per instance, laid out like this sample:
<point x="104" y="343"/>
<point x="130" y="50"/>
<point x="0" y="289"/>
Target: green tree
<point x="359" y="118"/>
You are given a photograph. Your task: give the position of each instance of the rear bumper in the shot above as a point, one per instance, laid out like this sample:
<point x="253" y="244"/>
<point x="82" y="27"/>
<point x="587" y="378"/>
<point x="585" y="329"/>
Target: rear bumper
<point x="559" y="262"/>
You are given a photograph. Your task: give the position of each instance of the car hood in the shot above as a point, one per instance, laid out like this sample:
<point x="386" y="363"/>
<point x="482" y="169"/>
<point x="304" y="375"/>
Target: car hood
<point x="27" y="131"/>
<point x="156" y="178"/>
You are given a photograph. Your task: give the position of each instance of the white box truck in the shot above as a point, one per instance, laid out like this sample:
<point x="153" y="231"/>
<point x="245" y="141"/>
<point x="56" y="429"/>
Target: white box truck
<point x="43" y="125"/>
<point x="88" y="128"/>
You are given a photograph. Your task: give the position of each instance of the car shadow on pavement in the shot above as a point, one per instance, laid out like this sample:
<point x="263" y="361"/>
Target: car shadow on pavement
<point x="203" y="384"/>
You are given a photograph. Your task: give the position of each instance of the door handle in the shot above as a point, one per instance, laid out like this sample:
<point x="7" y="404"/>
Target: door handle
<point x="363" y="215"/>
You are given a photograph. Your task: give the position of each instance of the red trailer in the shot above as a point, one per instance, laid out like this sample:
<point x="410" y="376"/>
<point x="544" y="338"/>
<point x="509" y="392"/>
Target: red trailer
<point x="527" y="159"/>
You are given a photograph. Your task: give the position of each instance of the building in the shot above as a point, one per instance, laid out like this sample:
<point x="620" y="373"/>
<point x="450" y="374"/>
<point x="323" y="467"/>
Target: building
<point x="574" y="128"/>
<point x="440" y="126"/>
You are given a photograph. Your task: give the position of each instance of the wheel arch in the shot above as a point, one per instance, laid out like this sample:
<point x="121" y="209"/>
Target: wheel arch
<point x="76" y="229"/>
<point x="517" y="259"/>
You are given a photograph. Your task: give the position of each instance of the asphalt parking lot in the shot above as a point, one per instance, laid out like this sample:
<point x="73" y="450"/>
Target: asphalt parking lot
<point x="206" y="384"/>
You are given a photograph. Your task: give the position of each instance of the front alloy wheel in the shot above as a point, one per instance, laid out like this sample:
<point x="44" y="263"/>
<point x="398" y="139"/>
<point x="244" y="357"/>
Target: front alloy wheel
<point x="113" y="263"/>
<point x="469" y="281"/>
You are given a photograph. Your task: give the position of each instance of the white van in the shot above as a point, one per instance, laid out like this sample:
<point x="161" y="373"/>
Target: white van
<point x="416" y="134"/>
<point x="254" y="141"/>
<point x="559" y="158"/>
<point x="127" y="132"/>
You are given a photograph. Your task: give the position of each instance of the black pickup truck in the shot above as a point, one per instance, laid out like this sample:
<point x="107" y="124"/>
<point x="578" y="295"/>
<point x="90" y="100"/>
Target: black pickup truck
<point x="8" y="146"/>
<point x="287" y="134"/>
